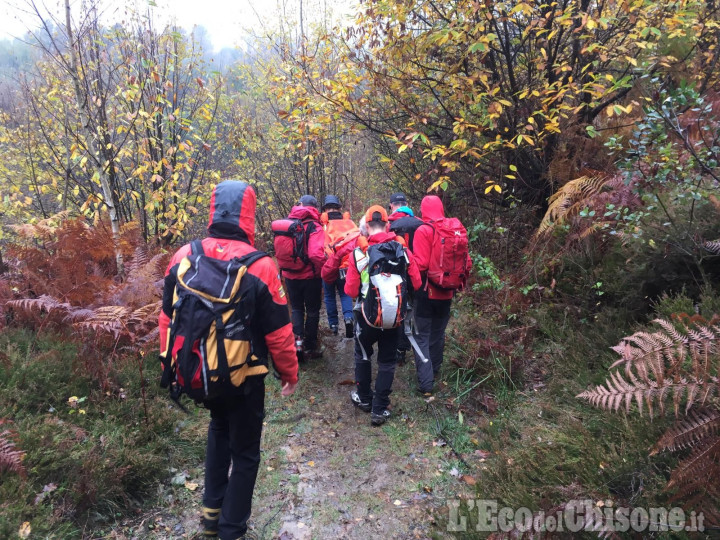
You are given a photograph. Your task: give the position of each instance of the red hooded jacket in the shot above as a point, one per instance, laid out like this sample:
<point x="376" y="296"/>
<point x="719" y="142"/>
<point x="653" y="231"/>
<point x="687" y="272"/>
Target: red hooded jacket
<point x="432" y="210"/>
<point x="232" y="234"/>
<point x="316" y="243"/>
<point x="352" y="281"/>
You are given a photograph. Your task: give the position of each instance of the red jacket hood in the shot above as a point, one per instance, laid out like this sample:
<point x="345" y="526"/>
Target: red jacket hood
<point x="432" y="208"/>
<point x="232" y="211"/>
<point x="379" y="238"/>
<point x="304" y="212"/>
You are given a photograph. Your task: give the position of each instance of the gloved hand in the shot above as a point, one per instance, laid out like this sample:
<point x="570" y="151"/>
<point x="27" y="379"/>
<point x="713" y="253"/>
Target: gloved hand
<point x="288" y="389"/>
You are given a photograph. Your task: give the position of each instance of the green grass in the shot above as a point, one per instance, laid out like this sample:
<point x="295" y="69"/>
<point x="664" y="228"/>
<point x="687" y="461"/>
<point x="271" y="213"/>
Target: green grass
<point x="548" y="447"/>
<point x="103" y="455"/>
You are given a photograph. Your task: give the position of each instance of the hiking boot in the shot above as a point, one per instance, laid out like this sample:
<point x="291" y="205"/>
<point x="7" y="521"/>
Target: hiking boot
<point x="249" y="536"/>
<point x="425" y="393"/>
<point x="355" y="398"/>
<point x="334" y="329"/>
<point x="210" y="519"/>
<point x="380" y="419"/>
<point x="349" y="328"/>
<point x="315" y="353"/>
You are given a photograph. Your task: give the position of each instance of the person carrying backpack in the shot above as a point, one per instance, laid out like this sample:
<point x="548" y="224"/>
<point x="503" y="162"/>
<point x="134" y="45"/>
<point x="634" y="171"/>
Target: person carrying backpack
<point x="380" y="272"/>
<point x="299" y="249"/>
<point x="224" y="313"/>
<point x="441" y="252"/>
<point x="404" y="224"/>
<point x="339" y="229"/>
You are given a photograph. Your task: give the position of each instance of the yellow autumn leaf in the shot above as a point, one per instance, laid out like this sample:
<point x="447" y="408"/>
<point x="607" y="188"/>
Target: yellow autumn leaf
<point x="192" y="486"/>
<point x="25" y="530"/>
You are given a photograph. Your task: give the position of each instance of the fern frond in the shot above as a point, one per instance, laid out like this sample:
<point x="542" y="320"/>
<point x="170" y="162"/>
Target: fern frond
<point x="699" y="472"/>
<point x="713" y="247"/>
<point x="146" y="314"/>
<point x="618" y="391"/>
<point x="699" y="424"/>
<point x="44" y="304"/>
<point x="11" y="458"/>
<point x="569" y="200"/>
<point x="107" y="319"/>
<point x="140" y="259"/>
<point x="77" y="315"/>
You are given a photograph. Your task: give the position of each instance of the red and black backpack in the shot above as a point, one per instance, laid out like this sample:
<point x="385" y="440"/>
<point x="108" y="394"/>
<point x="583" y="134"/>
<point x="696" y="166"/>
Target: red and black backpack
<point x="291" y="243"/>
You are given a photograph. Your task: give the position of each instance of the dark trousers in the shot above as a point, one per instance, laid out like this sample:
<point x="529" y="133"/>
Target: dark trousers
<point x="234" y="435"/>
<point x="346" y="302"/>
<point x="386" y="341"/>
<point x="305" y="299"/>
<point x="431" y="320"/>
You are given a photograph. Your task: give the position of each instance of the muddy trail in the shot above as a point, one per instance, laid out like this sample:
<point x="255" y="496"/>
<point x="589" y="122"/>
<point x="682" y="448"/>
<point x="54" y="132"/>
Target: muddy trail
<point x="326" y="472"/>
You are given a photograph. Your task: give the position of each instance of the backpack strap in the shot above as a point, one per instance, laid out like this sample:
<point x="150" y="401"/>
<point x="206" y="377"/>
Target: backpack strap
<point x="252" y="257"/>
<point x="223" y="365"/>
<point x="196" y="247"/>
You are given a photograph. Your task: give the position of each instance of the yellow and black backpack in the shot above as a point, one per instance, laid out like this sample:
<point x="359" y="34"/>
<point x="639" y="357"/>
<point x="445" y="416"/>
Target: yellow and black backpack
<point x="210" y="351"/>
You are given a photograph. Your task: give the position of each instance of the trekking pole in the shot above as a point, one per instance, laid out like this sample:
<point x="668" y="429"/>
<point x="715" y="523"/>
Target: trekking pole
<point x="175" y="394"/>
<point x="408" y="327"/>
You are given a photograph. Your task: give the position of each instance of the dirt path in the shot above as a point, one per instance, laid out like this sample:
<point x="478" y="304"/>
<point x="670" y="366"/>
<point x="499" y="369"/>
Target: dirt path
<point x="327" y="473"/>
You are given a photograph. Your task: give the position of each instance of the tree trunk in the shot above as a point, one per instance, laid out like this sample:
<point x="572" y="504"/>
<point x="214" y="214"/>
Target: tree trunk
<point x="83" y="103"/>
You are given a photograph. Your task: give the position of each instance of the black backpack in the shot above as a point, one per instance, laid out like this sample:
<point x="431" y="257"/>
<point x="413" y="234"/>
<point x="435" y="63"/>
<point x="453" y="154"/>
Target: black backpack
<point x="209" y="352"/>
<point x="406" y="227"/>
<point x="384" y="284"/>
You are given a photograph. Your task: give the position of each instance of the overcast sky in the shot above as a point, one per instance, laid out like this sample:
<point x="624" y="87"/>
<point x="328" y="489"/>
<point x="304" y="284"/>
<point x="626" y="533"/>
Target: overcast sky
<point x="226" y="21"/>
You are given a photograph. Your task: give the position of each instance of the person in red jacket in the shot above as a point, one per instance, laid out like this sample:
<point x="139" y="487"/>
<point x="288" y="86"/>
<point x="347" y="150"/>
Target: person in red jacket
<point x="305" y="286"/>
<point x="366" y="336"/>
<point x="236" y="421"/>
<point x="432" y="304"/>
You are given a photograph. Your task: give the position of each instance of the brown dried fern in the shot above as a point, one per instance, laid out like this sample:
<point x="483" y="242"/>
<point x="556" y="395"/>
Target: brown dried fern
<point x="699" y="424"/>
<point x="11" y="458"/>
<point x="679" y="363"/>
<point x="569" y="200"/>
<point x="698" y="473"/>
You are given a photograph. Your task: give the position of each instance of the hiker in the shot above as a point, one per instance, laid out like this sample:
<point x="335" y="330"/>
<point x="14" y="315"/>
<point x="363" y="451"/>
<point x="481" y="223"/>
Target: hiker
<point x="404" y="224"/>
<point x="379" y="274"/>
<point x="441" y="253"/>
<point x="236" y="415"/>
<point x="299" y="250"/>
<point x="398" y="207"/>
<point x="339" y="229"/>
